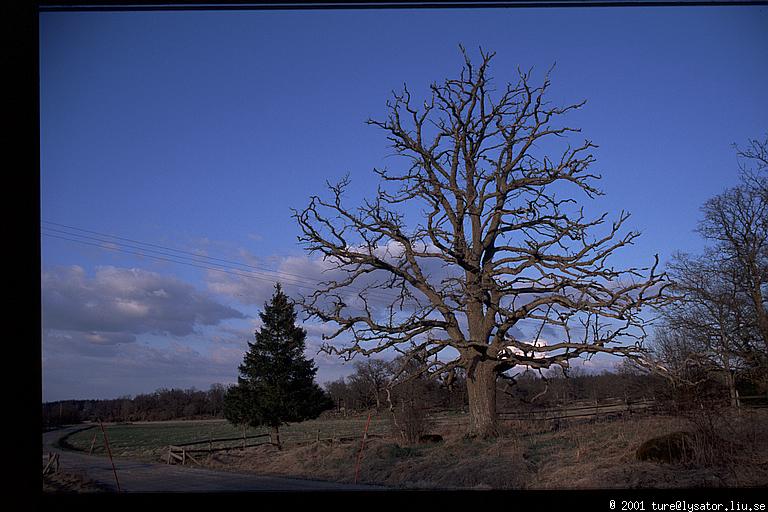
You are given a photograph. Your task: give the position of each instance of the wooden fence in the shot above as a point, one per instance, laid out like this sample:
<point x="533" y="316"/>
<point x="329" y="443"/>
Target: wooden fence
<point x="754" y="402"/>
<point x="582" y="410"/>
<point x="181" y="452"/>
<point x="610" y="407"/>
<point x="579" y="411"/>
<point x="53" y="463"/>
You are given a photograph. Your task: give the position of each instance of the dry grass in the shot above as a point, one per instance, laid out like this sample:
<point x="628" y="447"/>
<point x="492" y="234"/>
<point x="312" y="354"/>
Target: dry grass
<point x="454" y="463"/>
<point x="63" y="482"/>
<point x="602" y="455"/>
<point x="598" y="455"/>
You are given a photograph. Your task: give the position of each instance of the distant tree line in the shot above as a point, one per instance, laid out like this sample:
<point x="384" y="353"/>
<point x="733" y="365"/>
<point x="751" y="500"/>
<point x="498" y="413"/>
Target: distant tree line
<point x="366" y="388"/>
<point x="163" y="404"/>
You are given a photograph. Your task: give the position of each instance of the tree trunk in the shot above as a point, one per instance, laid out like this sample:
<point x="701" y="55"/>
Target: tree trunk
<point x="481" y="390"/>
<point x="762" y="314"/>
<point x="731" y="382"/>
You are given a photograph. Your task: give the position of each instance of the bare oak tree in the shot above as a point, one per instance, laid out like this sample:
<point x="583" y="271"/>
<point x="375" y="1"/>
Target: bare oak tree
<point x="499" y="241"/>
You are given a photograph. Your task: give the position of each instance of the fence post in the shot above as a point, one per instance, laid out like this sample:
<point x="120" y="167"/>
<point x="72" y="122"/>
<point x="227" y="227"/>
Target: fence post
<point x="53" y="459"/>
<point x="362" y="445"/>
<point x="93" y="442"/>
<point x="109" y="452"/>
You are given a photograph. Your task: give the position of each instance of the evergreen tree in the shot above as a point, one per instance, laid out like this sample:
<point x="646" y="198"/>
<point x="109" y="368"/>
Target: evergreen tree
<point x="276" y="382"/>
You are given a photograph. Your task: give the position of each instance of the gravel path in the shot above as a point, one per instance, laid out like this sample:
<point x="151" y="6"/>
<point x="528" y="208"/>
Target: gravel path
<point x="143" y="477"/>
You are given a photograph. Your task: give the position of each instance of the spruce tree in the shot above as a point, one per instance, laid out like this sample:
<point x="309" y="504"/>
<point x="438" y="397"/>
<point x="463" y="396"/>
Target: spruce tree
<point x="276" y="384"/>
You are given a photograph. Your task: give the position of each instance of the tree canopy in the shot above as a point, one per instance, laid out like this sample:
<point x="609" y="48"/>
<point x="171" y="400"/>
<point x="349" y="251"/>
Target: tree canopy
<point x="276" y="382"/>
<point x="499" y="240"/>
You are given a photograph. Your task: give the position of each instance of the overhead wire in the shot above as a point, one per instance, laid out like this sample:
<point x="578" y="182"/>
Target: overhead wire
<point x="160" y="258"/>
<point x="195" y="258"/>
<point x="107" y="241"/>
<point x="162" y="247"/>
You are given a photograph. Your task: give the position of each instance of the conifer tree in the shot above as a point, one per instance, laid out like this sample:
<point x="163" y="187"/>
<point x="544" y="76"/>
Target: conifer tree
<point x="276" y="383"/>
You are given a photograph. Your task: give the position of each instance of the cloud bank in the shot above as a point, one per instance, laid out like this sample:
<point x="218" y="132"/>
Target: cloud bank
<point x="116" y="304"/>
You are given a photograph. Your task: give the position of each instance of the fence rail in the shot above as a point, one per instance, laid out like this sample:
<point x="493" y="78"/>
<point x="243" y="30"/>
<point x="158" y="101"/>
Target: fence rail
<point x="610" y="407"/>
<point x="221" y="440"/>
<point x="53" y="464"/>
<point x="755" y="401"/>
<point x="582" y="411"/>
<point x="182" y="452"/>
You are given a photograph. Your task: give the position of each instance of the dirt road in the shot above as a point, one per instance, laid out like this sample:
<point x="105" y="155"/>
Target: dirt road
<point x="143" y="477"/>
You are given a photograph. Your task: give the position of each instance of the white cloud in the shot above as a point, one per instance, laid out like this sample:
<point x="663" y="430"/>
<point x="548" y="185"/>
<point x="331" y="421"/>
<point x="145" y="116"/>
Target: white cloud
<point x="531" y="343"/>
<point x="126" y="300"/>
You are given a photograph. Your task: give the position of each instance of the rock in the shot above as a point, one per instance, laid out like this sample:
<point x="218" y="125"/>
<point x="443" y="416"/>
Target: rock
<point x="671" y="448"/>
<point x="430" y="438"/>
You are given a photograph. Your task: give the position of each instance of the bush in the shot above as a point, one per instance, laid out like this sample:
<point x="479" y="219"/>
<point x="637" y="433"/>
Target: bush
<point x="410" y="421"/>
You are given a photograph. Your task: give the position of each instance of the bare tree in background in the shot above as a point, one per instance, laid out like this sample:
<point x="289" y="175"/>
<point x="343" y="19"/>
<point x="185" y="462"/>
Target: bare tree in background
<point x="499" y="239"/>
<point x="722" y="323"/>
<point x="370" y="379"/>
<point x="753" y="163"/>
<point x="705" y="330"/>
<point x="736" y="222"/>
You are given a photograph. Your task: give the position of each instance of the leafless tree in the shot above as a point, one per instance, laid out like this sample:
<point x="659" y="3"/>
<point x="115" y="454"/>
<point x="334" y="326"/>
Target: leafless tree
<point x="370" y="379"/>
<point x="499" y="240"/>
<point x="736" y="222"/>
<point x="721" y="322"/>
<point x="753" y="162"/>
<point x="706" y="329"/>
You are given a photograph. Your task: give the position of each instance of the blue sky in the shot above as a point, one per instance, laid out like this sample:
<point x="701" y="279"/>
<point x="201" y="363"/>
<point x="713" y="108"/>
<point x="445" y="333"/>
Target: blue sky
<point x="199" y="131"/>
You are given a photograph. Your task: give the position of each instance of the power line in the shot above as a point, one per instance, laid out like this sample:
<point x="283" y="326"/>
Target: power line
<point x="196" y="258"/>
<point x="107" y="242"/>
<point x="165" y="248"/>
<point x="117" y="249"/>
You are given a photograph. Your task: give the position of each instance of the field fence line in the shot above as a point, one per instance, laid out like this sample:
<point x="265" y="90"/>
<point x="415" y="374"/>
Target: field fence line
<point x="181" y="452"/>
<point x="439" y="417"/>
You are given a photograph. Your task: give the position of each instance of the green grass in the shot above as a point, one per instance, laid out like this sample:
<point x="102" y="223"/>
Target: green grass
<point x="149" y="441"/>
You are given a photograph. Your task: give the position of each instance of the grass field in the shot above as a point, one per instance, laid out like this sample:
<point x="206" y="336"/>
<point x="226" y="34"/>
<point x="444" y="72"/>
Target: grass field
<point x="149" y="441"/>
<point x="582" y="455"/>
